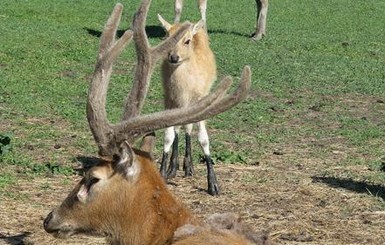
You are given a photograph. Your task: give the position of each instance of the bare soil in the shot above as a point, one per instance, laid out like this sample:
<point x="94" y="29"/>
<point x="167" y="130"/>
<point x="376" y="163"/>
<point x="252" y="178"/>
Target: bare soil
<point x="295" y="206"/>
<point x="285" y="192"/>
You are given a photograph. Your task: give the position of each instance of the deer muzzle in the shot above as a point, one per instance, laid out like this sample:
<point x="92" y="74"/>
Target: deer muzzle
<point x="54" y="226"/>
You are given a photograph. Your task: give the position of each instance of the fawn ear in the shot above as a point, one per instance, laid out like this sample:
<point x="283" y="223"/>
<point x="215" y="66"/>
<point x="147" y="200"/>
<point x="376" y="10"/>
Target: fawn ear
<point x="164" y="23"/>
<point x="198" y="26"/>
<point x="124" y="161"/>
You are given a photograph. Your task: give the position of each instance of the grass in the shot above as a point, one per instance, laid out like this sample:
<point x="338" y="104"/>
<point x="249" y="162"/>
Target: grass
<point x="311" y="56"/>
<point x="317" y="97"/>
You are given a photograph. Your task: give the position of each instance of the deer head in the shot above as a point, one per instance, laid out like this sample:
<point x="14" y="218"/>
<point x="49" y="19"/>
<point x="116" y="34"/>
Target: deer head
<point x="108" y="198"/>
<point x="184" y="48"/>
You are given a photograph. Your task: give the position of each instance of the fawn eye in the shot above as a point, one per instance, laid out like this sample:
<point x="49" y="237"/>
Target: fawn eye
<point x="187" y="42"/>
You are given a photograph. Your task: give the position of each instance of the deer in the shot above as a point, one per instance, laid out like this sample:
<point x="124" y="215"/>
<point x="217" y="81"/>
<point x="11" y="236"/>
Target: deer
<point x="124" y="196"/>
<point x="127" y="200"/>
<point x="188" y="73"/>
<point x="261" y="15"/>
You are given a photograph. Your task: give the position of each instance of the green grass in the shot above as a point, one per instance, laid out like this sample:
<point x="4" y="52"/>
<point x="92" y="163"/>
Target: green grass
<point x="319" y="57"/>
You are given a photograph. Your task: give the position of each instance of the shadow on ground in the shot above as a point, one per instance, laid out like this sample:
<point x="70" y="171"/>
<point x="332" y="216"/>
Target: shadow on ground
<point x="14" y="240"/>
<point x="158" y="32"/>
<point x="352" y="185"/>
<point x="152" y="32"/>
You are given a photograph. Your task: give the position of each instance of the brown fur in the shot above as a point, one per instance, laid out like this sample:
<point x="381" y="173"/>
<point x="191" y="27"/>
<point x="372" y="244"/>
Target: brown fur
<point x="135" y="210"/>
<point x="131" y="204"/>
<point x="223" y="229"/>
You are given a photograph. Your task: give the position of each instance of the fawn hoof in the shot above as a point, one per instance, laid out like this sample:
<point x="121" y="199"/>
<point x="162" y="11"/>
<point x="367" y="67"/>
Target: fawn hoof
<point x="188" y="167"/>
<point x="188" y="172"/>
<point x="171" y="174"/>
<point x="173" y="167"/>
<point x="213" y="189"/>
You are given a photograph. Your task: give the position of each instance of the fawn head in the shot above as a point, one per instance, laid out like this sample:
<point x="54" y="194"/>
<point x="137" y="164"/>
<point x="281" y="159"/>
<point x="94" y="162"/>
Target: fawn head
<point x="184" y="49"/>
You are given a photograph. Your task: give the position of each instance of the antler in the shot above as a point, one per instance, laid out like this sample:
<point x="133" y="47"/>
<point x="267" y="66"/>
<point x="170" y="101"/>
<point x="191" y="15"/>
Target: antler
<point x="109" y="136"/>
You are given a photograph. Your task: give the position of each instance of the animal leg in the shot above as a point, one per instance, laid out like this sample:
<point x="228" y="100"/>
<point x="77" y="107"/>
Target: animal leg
<point x="174" y="163"/>
<point x="213" y="188"/>
<point x="187" y="162"/>
<point x="169" y="136"/>
<point x="262" y="6"/>
<point x="178" y="10"/>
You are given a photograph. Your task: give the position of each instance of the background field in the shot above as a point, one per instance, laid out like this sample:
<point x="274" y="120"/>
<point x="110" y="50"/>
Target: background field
<point x="303" y="157"/>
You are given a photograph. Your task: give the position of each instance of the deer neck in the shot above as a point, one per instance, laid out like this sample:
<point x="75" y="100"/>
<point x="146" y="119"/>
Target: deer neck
<point x="154" y="213"/>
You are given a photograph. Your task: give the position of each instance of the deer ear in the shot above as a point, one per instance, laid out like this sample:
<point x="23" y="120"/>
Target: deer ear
<point x="164" y="23"/>
<point x="125" y="161"/>
<point x="198" y="26"/>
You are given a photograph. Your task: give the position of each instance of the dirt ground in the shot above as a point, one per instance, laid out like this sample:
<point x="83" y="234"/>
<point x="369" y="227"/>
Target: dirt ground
<point x="290" y="202"/>
<point x="285" y="192"/>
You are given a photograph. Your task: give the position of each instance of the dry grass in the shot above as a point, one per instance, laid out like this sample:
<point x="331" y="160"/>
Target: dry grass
<point x="293" y="191"/>
<point x="273" y="196"/>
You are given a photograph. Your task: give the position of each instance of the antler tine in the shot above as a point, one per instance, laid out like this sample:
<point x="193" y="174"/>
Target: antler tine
<point x="108" y="36"/>
<point x="109" y="136"/>
<point x="146" y="58"/>
<point x="164" y="47"/>
<point x="108" y="51"/>
<point x="209" y="106"/>
<point x="229" y="101"/>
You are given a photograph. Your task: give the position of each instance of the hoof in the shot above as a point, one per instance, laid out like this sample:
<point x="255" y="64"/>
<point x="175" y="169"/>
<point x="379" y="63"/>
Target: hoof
<point x="171" y="174"/>
<point x="213" y="189"/>
<point x="188" y="167"/>
<point x="257" y="37"/>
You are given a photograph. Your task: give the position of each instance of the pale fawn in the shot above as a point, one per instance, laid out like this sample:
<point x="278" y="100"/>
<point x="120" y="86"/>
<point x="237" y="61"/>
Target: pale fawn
<point x="188" y="73"/>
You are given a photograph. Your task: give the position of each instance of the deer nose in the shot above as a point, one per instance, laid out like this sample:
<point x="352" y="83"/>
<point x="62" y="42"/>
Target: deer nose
<point x="46" y="223"/>
<point x="174" y="58"/>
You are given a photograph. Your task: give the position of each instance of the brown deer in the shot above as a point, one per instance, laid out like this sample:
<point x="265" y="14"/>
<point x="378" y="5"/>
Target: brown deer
<point x="124" y="196"/>
<point x="262" y="6"/>
<point x="127" y="200"/>
<point x="188" y="72"/>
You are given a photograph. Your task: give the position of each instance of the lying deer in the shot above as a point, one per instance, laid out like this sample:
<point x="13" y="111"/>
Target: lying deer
<point x="262" y="6"/>
<point x="124" y="196"/>
<point x="127" y="200"/>
<point x="188" y="72"/>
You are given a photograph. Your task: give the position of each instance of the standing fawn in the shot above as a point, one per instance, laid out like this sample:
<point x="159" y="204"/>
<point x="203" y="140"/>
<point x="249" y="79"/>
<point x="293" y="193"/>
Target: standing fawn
<point x="261" y="11"/>
<point x="188" y="72"/>
<point x="124" y="197"/>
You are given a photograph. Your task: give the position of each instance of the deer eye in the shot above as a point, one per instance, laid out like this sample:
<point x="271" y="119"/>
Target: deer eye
<point x="187" y="42"/>
<point x="91" y="181"/>
<point x="85" y="188"/>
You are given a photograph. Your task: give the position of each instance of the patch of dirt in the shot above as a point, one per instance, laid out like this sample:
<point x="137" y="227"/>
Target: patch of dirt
<point x="286" y="193"/>
<point x="285" y="200"/>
